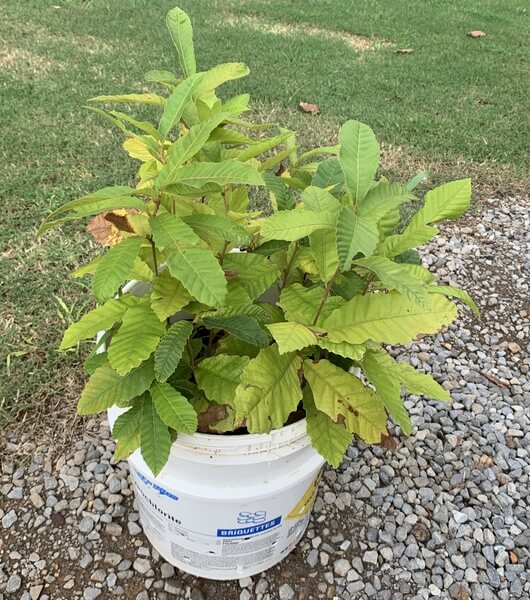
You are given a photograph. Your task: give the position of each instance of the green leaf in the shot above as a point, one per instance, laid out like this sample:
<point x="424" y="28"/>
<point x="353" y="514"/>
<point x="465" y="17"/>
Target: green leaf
<point x="153" y="99"/>
<point x="329" y="175"/>
<point x="200" y="273"/>
<point x="294" y="225"/>
<point x="269" y="248"/>
<point x="87" y="269"/>
<point x="320" y="200"/>
<point x="269" y="390"/>
<point x="142" y="125"/>
<point x="173" y="408"/>
<point x="236" y="104"/>
<point x="378" y="371"/>
<point x="448" y="201"/>
<point x="323" y="245"/>
<point x="359" y="158"/>
<point x="382" y="198"/>
<point x="329" y="439"/>
<point x="264" y="146"/>
<point x="115" y="267"/>
<point x="318" y="152"/>
<point x="420" y="383"/>
<point x="410" y="238"/>
<point x="397" y="277"/>
<point x="409" y="257"/>
<point x="281" y="195"/>
<point x="161" y="76"/>
<point x="388" y="318"/>
<point x="242" y="326"/>
<point x="221" y="74"/>
<point x="186" y="147"/>
<point x="343" y="397"/>
<point x="300" y="304"/>
<point x="168" y="295"/>
<point x="170" y="348"/>
<point x="416" y="180"/>
<point x="128" y="423"/>
<point x="348" y="284"/>
<point x="254" y="273"/>
<point x="106" y="388"/>
<point x="154" y="438"/>
<point x="181" y="32"/>
<point x="355" y="235"/>
<point x="94" y="361"/>
<point x="389" y="221"/>
<point x="223" y="227"/>
<point x="452" y="292"/>
<point x="171" y="232"/>
<point x="291" y="336"/>
<point x="136" y="338"/>
<point x="219" y="376"/>
<point x="226" y="172"/>
<point x="353" y="351"/>
<point x="176" y="103"/>
<point x="99" y="319"/>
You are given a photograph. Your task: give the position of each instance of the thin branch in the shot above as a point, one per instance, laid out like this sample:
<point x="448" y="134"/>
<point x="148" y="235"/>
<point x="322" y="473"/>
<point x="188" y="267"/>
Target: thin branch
<point x="153" y="252"/>
<point x="325" y="296"/>
<point x="289" y="266"/>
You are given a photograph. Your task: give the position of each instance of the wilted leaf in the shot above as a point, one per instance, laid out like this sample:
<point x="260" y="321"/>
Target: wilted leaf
<point x="106" y="228"/>
<point x="476" y="33"/>
<point x="307" y="107"/>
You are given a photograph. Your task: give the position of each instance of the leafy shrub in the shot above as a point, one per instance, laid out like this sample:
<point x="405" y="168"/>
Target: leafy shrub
<point x="248" y="322"/>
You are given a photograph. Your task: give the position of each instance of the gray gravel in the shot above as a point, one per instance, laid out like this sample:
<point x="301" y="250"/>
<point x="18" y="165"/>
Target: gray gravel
<point x="443" y="514"/>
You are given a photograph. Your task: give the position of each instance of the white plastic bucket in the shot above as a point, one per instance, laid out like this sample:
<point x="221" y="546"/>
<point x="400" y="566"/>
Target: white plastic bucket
<point x="228" y="506"/>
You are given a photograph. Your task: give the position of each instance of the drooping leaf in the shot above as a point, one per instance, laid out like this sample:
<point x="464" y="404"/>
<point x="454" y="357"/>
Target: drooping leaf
<point x="168" y="295"/>
<point x="294" y="225"/>
<point x="176" y="103"/>
<point x="416" y="180"/>
<point x="170" y="348"/>
<point x="181" y="32"/>
<point x="173" y="408"/>
<point x="169" y="231"/>
<point x="223" y="227"/>
<point x="353" y="351"/>
<point x="136" y="338"/>
<point x="242" y="326"/>
<point x="448" y="201"/>
<point x="328" y="438"/>
<point x="226" y="172"/>
<point x="218" y="377"/>
<point x="377" y="371"/>
<point x="323" y="245"/>
<point x="155" y="441"/>
<point x="99" y="319"/>
<point x="220" y="74"/>
<point x="200" y="273"/>
<point x="344" y="398"/>
<point x="106" y="388"/>
<point x="264" y="146"/>
<point x="410" y="238"/>
<point x="254" y="273"/>
<point x="453" y="292"/>
<point x="355" y="235"/>
<point x="115" y="267"/>
<point x="291" y="336"/>
<point x="269" y="390"/>
<point x="359" y="158"/>
<point x="154" y="99"/>
<point x="129" y="422"/>
<point x="395" y="276"/>
<point x="388" y="318"/>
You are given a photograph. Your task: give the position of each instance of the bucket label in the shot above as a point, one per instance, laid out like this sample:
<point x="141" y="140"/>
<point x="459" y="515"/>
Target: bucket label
<point x="247" y="531"/>
<point x="158" y="488"/>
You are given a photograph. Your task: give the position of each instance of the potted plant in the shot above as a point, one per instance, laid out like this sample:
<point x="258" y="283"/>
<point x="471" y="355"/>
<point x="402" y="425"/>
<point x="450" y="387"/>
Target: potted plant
<point x="237" y="351"/>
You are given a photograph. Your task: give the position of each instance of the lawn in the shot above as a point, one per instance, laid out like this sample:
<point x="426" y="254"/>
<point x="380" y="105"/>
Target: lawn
<point x="453" y="104"/>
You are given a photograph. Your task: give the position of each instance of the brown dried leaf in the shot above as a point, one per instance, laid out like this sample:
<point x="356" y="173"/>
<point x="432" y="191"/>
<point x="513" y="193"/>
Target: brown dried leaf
<point x="103" y="231"/>
<point x="212" y="415"/>
<point x="388" y="442"/>
<point x="120" y="221"/>
<point x="307" y="107"/>
<point x="476" y="33"/>
<point x="404" y="50"/>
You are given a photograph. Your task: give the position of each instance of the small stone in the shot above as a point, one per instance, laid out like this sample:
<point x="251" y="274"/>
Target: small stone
<point x="459" y="517"/>
<point x="91" y="593"/>
<point x="35" y="591"/>
<point x="36" y="500"/>
<point x="142" y="565"/>
<point x="341" y="567"/>
<point x="245" y="595"/>
<point x="245" y="582"/>
<point x="370" y="557"/>
<point x="86" y="525"/>
<point x="113" y="529"/>
<point x="134" y="528"/>
<point x="167" y="570"/>
<point x="312" y="558"/>
<point x="13" y="584"/>
<point x="9" y="519"/>
<point x="112" y="558"/>
<point x="435" y="591"/>
<point x="286" y="592"/>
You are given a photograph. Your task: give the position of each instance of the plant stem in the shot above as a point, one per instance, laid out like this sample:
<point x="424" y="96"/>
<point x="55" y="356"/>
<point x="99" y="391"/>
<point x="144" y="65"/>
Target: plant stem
<point x="368" y="282"/>
<point x="190" y="354"/>
<point x="289" y="266"/>
<point x="153" y="252"/>
<point x="223" y="252"/>
<point x="325" y="296"/>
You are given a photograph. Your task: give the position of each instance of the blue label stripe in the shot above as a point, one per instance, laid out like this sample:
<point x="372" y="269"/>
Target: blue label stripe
<point x="246" y="531"/>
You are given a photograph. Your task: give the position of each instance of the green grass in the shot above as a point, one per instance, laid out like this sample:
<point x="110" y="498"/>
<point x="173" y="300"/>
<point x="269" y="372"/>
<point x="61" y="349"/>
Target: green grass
<point x="455" y="104"/>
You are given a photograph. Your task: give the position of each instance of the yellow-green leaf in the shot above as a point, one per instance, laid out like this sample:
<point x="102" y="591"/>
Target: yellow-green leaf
<point x="294" y="225"/>
<point x="168" y="295"/>
<point x="218" y="377"/>
<point x="154" y="438"/>
<point x="355" y="235"/>
<point x="173" y="408"/>
<point x="171" y="232"/>
<point x="170" y="348"/>
<point x="181" y="31"/>
<point x="291" y="336"/>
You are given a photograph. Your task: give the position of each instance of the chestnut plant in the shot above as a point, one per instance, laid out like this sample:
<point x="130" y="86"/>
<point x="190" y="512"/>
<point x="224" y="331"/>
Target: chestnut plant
<point x="247" y="322"/>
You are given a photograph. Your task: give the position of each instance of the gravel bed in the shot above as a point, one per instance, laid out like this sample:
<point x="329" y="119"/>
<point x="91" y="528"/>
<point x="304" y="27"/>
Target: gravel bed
<point x="442" y="514"/>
